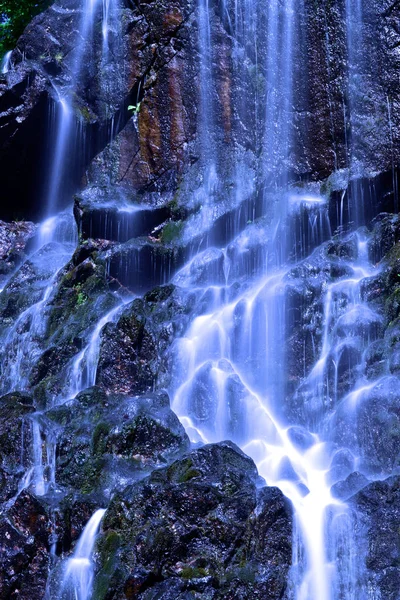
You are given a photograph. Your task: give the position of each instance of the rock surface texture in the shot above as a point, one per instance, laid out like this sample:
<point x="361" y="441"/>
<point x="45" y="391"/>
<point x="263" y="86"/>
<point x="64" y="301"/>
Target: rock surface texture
<point x="198" y="527"/>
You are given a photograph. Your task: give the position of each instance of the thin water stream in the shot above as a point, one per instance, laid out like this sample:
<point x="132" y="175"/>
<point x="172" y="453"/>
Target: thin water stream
<point x="77" y="579"/>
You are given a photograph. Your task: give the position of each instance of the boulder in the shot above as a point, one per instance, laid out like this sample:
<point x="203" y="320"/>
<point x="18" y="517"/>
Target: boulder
<point x="377" y="510"/>
<point x="132" y="356"/>
<point x="14" y="238"/>
<point x="25" y="549"/>
<point x="103" y="441"/>
<point x="199" y="527"/>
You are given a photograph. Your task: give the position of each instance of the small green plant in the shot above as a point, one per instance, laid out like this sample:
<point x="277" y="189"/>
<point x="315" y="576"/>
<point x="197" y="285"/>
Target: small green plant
<point x="135" y="108"/>
<point x="82" y="298"/>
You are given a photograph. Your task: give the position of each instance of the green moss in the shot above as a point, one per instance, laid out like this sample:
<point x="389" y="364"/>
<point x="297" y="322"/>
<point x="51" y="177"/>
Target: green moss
<point x="244" y="574"/>
<point x="109" y="550"/>
<point x="40" y="393"/>
<point x="81" y="299"/>
<point x="257" y="80"/>
<point x="99" y="436"/>
<point x="60" y="415"/>
<point x="91" y="474"/>
<point x="182" y="471"/>
<point x="171" y="231"/>
<point x="193" y="573"/>
<point x="108" y="547"/>
<point x="393" y="254"/>
<point x="188" y="475"/>
<point x="85" y="113"/>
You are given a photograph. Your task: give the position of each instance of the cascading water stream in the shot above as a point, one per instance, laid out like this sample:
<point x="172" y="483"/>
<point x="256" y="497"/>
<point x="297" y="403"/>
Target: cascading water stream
<point x="225" y="388"/>
<point x="67" y="128"/>
<point x="55" y="243"/>
<point x="5" y="63"/>
<point x="66" y="124"/>
<point x="53" y="246"/>
<point x="84" y="366"/>
<point x="77" y="580"/>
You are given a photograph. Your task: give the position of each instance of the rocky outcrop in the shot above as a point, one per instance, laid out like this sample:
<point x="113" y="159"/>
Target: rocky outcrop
<point x="133" y="351"/>
<point x="15" y="442"/>
<point x="25" y="551"/>
<point x="197" y="527"/>
<point x="201" y="524"/>
<point x="160" y="145"/>
<point x="103" y="440"/>
<point x="14" y="238"/>
<point x="99" y="444"/>
<point x="34" y="532"/>
<point x="43" y="64"/>
<point x="377" y="508"/>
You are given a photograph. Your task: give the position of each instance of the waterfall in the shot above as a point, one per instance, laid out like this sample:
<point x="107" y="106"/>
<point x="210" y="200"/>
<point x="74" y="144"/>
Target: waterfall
<point x="65" y="126"/>
<point x="260" y="257"/>
<point x="84" y="365"/>
<point x="69" y="130"/>
<point x="78" y="575"/>
<point x="230" y="376"/>
<point x="5" y="63"/>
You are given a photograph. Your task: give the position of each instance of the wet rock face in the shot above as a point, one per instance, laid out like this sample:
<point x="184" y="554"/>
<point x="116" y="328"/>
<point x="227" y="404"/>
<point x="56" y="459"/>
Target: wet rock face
<point x="376" y="436"/>
<point x="197" y="527"/>
<point x="25" y="550"/>
<point x="132" y="355"/>
<point x="158" y="145"/>
<point x="146" y="50"/>
<point x="79" y="295"/>
<point x="15" y="441"/>
<point x="322" y="107"/>
<point x="34" y="532"/>
<point x="102" y="441"/>
<point x="14" y="238"/>
<point x="378" y="514"/>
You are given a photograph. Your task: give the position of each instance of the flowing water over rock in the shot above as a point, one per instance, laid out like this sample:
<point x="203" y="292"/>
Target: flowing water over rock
<point x="210" y="272"/>
<point x="78" y="576"/>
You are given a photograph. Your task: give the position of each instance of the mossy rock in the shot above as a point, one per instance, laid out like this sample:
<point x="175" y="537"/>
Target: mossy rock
<point x="172" y="531"/>
<point x="171" y="232"/>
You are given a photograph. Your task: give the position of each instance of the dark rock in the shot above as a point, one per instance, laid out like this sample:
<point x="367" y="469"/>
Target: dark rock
<point x="370" y="427"/>
<point x="139" y="265"/>
<point x="34" y="533"/>
<point x="25" y="549"/>
<point x="81" y="296"/>
<point x="377" y="509"/>
<point x="15" y="442"/>
<point x="342" y="465"/>
<point x="107" y="216"/>
<point x="132" y="353"/>
<point x="104" y="441"/>
<point x="198" y="526"/>
<point x="350" y="486"/>
<point x="14" y="238"/>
